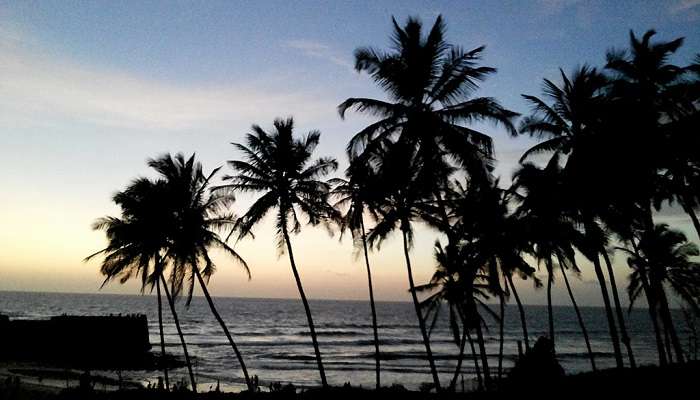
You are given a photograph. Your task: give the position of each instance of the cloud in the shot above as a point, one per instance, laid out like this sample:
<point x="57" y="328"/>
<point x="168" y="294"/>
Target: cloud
<point x="680" y="6"/>
<point x="37" y="86"/>
<point x="688" y="9"/>
<point x="554" y="7"/>
<point x="318" y="50"/>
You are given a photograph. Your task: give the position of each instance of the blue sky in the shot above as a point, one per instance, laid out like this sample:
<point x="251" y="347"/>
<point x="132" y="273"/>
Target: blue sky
<point x="89" y="90"/>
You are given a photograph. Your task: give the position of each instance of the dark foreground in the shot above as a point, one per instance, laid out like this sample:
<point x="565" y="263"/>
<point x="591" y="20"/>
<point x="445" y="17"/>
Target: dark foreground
<point x="642" y="382"/>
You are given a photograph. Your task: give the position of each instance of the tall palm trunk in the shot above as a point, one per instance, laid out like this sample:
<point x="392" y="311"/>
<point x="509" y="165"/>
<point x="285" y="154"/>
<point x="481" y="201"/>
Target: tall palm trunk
<point x="550" y="311"/>
<point x="460" y="358"/>
<point x="171" y="303"/>
<point x="612" y="326"/>
<point x="372" y="306"/>
<point x="484" y="356"/>
<point x="162" y="337"/>
<point x="668" y="323"/>
<point x="475" y="358"/>
<point x="521" y="311"/>
<point x="667" y="341"/>
<point x="224" y="328"/>
<point x="584" y="331"/>
<point x="416" y="305"/>
<point x="307" y="309"/>
<point x="501" y="328"/>
<point x="652" y="307"/>
<point x="624" y="337"/>
<point x="608" y="312"/>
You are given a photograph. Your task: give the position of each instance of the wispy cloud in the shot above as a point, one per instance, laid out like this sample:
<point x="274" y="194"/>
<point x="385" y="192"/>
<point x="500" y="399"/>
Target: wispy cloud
<point x="38" y="87"/>
<point x="318" y="50"/>
<point x="554" y="7"/>
<point x="690" y="9"/>
<point x="680" y="6"/>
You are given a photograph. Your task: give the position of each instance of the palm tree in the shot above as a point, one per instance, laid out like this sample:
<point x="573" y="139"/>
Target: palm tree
<point x="451" y="287"/>
<point x="571" y="127"/>
<point x="136" y="243"/>
<point x="649" y="94"/>
<point x="497" y="236"/>
<point x="429" y="83"/>
<point x="663" y="259"/>
<point x="356" y="196"/>
<point x="402" y="199"/>
<point x="544" y="211"/>
<point x="280" y="166"/>
<point x="197" y="216"/>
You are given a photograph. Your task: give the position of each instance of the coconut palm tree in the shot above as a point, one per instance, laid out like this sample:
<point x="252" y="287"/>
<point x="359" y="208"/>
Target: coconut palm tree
<point x="136" y="243"/>
<point x="571" y="127"/>
<point x="645" y="89"/>
<point x="429" y="83"/>
<point x="280" y="167"/>
<point x="544" y="211"/>
<point x="450" y="287"/>
<point x="355" y="195"/>
<point x="401" y="200"/>
<point x="663" y="260"/>
<point x="497" y="235"/>
<point x="197" y="216"/>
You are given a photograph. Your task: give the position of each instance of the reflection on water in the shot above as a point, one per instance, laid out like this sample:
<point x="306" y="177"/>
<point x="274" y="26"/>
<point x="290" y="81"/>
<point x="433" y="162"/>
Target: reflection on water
<point x="274" y="340"/>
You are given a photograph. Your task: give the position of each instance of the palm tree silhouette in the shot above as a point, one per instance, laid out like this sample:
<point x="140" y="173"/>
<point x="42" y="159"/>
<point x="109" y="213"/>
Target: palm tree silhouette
<point x="356" y="195"/>
<point x="663" y="258"/>
<point x="280" y="166"/>
<point x="571" y="127"/>
<point x="497" y="236"/>
<point x="663" y="97"/>
<point x="402" y="199"/>
<point x="544" y="210"/>
<point x="448" y="287"/>
<point x="429" y="83"/>
<point x="137" y="241"/>
<point x="197" y="216"/>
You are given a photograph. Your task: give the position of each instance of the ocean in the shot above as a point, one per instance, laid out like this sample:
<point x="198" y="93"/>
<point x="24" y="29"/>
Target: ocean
<point x="273" y="337"/>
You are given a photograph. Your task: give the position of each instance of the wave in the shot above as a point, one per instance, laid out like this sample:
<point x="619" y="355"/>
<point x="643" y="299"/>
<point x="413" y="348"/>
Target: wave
<point x="332" y="333"/>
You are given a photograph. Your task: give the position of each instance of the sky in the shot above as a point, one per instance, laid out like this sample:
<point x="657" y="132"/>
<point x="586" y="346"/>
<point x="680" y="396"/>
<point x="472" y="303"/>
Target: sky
<point x="90" y="90"/>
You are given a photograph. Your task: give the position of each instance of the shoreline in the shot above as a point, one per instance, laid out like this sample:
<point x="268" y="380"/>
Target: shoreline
<point x="674" y="378"/>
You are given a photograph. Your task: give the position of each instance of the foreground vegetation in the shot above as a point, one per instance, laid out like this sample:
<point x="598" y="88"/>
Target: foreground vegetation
<point x="614" y="146"/>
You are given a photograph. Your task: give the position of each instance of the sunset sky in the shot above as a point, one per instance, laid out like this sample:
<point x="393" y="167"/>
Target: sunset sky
<point x="90" y="90"/>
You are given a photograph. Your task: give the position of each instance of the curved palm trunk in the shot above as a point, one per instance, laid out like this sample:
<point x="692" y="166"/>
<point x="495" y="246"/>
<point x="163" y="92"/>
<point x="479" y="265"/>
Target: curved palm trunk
<point x="162" y="337"/>
<point x="484" y="356"/>
<point x="668" y="323"/>
<point x="652" y="307"/>
<point x="501" y="326"/>
<point x="307" y="309"/>
<point x="584" y="331"/>
<point x="624" y="337"/>
<point x="460" y="358"/>
<point x="171" y="303"/>
<point x="371" y="302"/>
<point x="608" y="312"/>
<point x="550" y="311"/>
<point x="612" y="327"/>
<point x="475" y="358"/>
<point x="521" y="311"/>
<point x="667" y="341"/>
<point x="421" y="322"/>
<point x="224" y="328"/>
